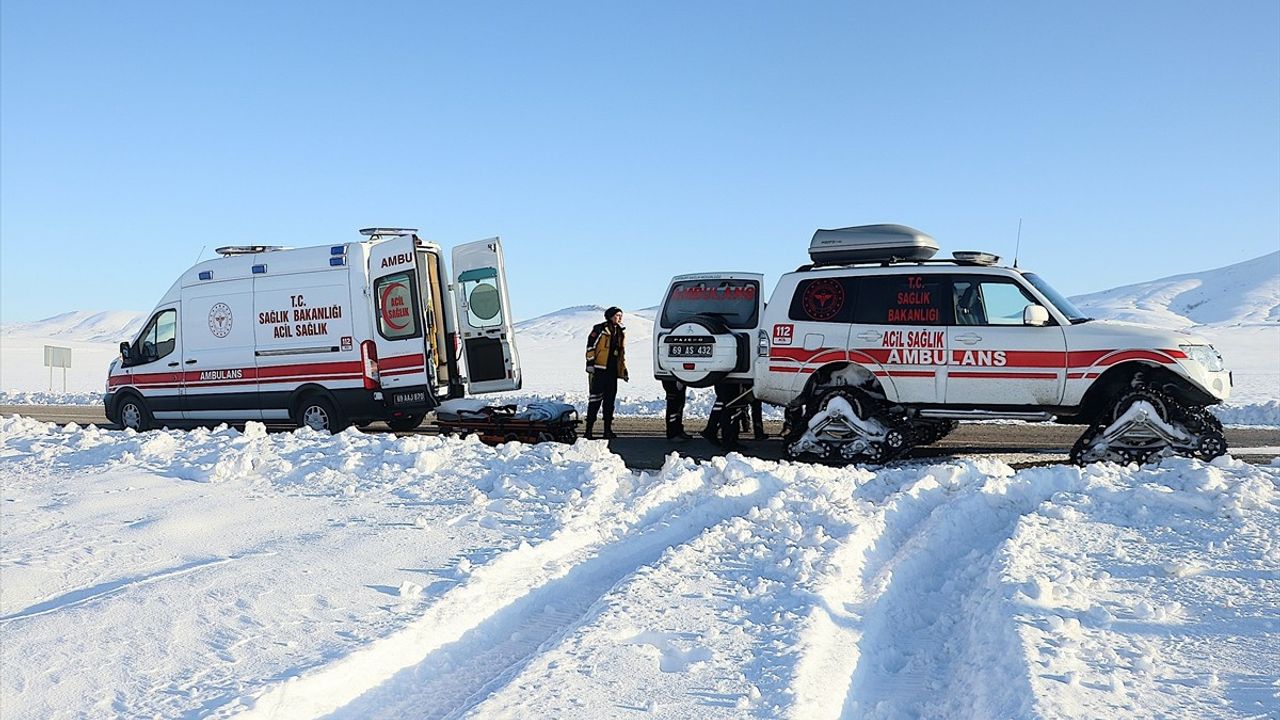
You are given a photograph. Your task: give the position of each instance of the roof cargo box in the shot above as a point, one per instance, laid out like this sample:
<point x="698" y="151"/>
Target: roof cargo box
<point x="870" y="244"/>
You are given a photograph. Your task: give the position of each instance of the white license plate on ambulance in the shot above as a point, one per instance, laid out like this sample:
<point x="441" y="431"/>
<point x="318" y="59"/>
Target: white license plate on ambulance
<point x="690" y="351"/>
<point x="409" y="398"/>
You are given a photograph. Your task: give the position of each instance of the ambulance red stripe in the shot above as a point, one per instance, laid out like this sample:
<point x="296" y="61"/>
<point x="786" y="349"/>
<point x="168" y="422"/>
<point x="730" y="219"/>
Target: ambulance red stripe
<point x="402" y="361"/>
<point x="1075" y="360"/>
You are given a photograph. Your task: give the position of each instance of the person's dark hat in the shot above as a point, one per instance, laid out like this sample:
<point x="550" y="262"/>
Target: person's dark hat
<point x="608" y="314"/>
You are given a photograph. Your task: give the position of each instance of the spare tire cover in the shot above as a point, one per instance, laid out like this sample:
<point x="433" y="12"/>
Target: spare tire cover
<point x="679" y="354"/>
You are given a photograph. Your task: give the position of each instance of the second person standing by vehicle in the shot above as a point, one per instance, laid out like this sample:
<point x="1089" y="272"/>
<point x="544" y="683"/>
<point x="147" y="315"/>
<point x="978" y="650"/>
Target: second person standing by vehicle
<point x="606" y="364"/>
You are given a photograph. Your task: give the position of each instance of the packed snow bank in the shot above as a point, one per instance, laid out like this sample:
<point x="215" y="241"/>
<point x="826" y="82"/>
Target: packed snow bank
<point x="1259" y="414"/>
<point x="50" y="398"/>
<point x="218" y="573"/>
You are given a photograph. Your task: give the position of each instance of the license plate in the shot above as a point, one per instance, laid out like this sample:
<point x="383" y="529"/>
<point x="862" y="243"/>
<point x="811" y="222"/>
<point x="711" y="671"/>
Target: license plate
<point x="409" y="398"/>
<point x="690" y="351"/>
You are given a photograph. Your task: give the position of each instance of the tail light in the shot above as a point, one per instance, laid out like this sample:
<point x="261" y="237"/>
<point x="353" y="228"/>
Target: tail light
<point x="762" y="343"/>
<point x="369" y="365"/>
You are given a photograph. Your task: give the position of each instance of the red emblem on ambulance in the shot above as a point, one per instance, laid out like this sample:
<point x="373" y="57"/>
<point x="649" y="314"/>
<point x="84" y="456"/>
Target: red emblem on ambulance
<point x="823" y="299"/>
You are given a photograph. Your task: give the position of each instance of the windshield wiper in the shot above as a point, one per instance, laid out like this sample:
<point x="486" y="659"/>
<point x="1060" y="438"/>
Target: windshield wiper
<point x="1077" y="321"/>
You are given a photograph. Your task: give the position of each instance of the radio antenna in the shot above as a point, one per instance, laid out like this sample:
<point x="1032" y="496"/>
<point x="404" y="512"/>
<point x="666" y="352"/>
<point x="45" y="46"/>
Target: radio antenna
<point x="202" y="247"/>
<point x="1017" y="245"/>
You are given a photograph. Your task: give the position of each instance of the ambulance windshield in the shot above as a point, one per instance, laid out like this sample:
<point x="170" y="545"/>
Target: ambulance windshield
<point x="732" y="301"/>
<point x="1059" y="301"/>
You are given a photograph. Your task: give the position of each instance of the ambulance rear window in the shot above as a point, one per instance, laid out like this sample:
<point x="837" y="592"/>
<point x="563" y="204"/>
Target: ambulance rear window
<point x="735" y="302"/>
<point x="396" y="299"/>
<point x="828" y="299"/>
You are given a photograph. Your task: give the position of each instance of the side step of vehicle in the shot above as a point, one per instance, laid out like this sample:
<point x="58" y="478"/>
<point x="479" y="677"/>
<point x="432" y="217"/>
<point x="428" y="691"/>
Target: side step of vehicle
<point x="985" y="415"/>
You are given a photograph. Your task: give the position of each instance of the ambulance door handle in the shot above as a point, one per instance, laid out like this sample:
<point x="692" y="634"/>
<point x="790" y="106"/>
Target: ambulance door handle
<point x="869" y="336"/>
<point x="968" y="338"/>
<point x="173" y="364"/>
<point x="189" y="362"/>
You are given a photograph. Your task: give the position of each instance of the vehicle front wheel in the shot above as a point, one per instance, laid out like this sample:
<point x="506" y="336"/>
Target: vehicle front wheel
<point x="133" y="414"/>
<point x="318" y="413"/>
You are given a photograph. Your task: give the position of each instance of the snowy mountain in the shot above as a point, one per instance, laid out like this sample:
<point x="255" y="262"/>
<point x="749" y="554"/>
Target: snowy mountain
<point x="1244" y="293"/>
<point x="1236" y="307"/>
<point x="82" y="326"/>
<point x="552" y="354"/>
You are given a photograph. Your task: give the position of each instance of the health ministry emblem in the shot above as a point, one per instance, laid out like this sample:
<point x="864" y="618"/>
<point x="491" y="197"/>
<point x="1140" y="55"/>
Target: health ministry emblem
<point x="220" y="320"/>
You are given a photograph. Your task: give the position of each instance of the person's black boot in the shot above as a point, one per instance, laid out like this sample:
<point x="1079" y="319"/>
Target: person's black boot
<point x="608" y="432"/>
<point x="593" y="407"/>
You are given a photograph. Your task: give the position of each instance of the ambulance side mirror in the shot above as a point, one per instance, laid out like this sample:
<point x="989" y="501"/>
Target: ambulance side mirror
<point x="124" y="352"/>
<point x="1035" y="315"/>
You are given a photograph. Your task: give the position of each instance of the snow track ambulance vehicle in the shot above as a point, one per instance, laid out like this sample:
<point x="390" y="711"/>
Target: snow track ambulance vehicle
<point x="875" y="347"/>
<point x="323" y="336"/>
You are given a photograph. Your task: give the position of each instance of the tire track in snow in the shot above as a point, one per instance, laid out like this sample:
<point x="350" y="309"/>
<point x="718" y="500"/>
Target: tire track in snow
<point x="829" y="648"/>
<point x="455" y="678"/>
<point x="481" y="634"/>
<point x="115" y="587"/>
<point x="931" y="611"/>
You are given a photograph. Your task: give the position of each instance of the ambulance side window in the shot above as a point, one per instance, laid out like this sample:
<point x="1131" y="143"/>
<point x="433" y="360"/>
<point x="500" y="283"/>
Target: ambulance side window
<point x="989" y="301"/>
<point x="159" y="339"/>
<point x="904" y="300"/>
<point x="825" y="300"/>
<point x="396" y="304"/>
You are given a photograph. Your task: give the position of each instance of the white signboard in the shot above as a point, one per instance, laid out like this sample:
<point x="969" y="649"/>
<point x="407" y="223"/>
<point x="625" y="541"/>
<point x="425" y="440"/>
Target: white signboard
<point x="55" y="356"/>
<point x="59" y="357"/>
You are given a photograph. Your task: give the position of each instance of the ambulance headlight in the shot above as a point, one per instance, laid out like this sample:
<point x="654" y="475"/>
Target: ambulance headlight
<point x="1206" y="355"/>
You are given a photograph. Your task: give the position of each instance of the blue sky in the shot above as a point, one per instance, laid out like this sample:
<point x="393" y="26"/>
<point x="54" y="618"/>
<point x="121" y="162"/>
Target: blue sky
<point x="613" y="145"/>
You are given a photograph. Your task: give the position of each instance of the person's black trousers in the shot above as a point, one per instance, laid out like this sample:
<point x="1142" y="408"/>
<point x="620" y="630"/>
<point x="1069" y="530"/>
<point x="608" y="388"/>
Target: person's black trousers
<point x="675" y="407"/>
<point x="722" y="425"/>
<point x="604" y="391"/>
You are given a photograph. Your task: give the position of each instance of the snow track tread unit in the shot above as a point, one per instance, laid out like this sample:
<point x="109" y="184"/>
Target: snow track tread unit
<point x="844" y="425"/>
<point x="1146" y="423"/>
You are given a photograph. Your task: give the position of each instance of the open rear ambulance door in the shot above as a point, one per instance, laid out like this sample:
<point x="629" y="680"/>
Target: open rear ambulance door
<point x="399" y="336"/>
<point x="484" y="317"/>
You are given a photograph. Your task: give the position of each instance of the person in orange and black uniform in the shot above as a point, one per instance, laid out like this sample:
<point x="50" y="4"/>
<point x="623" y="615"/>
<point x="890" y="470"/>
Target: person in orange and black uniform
<point x="606" y="364"/>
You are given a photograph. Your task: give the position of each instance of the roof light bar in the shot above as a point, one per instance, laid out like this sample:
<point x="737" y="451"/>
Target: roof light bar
<point x="377" y="231"/>
<point x="247" y="249"/>
<point x="976" y="257"/>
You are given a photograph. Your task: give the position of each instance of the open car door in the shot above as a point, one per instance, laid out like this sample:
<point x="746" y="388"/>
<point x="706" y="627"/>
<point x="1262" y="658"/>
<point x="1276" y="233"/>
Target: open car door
<point x="484" y="317"/>
<point x="399" y="344"/>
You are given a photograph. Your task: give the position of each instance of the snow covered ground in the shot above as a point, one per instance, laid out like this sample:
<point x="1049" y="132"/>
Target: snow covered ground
<point x="295" y="575"/>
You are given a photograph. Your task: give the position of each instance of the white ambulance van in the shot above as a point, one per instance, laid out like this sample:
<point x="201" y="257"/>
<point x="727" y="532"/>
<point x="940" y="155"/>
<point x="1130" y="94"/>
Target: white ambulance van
<point x="324" y="337"/>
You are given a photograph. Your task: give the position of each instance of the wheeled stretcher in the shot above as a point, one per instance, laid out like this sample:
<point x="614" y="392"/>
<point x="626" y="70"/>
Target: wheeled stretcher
<point x="494" y="424"/>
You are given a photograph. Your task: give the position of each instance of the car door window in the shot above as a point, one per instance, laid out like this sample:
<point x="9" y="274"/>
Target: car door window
<point x="989" y="302"/>
<point x="159" y="338"/>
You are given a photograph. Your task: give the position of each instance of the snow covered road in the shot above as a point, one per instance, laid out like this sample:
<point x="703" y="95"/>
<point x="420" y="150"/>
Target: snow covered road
<point x="295" y="575"/>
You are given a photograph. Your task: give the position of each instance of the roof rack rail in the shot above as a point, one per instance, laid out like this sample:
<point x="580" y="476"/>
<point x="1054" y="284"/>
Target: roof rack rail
<point x="960" y="261"/>
<point x="376" y="231"/>
<point x="229" y="250"/>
